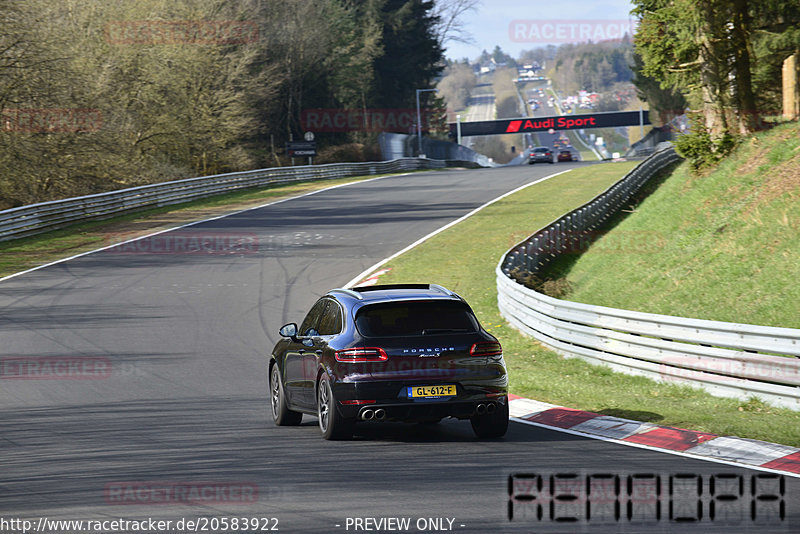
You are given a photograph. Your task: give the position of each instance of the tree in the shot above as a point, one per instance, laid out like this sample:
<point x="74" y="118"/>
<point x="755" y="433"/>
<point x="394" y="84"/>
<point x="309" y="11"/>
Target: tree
<point x="412" y="56"/>
<point x="775" y="36"/>
<point x="665" y="103"/>
<point x="178" y="97"/>
<point x="456" y="85"/>
<point x="592" y="66"/>
<point x="449" y="24"/>
<point x="707" y="50"/>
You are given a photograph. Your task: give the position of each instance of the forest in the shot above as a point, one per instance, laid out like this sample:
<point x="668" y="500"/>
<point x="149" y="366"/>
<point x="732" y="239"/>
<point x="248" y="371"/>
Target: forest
<point x="98" y="95"/>
<point x="723" y="58"/>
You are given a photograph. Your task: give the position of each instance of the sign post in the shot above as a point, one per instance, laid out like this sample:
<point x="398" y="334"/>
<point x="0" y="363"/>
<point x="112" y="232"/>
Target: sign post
<point x="302" y="149"/>
<point x="309" y="137"/>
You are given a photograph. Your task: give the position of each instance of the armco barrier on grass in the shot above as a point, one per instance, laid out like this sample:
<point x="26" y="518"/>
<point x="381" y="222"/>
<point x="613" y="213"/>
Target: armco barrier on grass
<point x="726" y="359"/>
<point x="45" y="216"/>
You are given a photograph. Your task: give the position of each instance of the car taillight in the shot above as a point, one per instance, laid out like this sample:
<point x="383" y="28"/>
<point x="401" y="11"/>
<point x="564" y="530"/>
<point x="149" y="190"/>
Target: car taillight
<point x="361" y="354"/>
<point x="486" y="348"/>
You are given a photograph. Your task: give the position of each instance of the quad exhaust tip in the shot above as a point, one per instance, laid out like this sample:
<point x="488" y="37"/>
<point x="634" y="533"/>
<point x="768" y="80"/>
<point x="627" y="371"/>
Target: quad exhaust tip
<point x="370" y="414"/>
<point x="483" y="409"/>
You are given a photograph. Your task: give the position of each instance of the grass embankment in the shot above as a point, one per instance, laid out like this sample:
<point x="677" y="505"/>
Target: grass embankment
<point x="464" y="258"/>
<point x="724" y="246"/>
<point x="29" y="252"/>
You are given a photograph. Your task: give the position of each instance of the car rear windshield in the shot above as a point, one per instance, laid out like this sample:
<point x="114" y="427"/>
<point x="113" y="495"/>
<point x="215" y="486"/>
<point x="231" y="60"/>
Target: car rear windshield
<point x="413" y="318"/>
<point x="541" y="150"/>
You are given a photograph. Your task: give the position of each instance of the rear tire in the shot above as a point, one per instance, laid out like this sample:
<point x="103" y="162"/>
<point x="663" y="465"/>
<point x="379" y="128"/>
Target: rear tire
<point x="491" y="425"/>
<point x="281" y="414"/>
<point x="331" y="422"/>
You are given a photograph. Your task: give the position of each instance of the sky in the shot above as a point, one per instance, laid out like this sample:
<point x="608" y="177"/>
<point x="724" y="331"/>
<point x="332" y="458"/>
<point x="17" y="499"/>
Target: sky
<point x="517" y="25"/>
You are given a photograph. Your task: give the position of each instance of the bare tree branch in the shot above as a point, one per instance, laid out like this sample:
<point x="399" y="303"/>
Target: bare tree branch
<point x="450" y="26"/>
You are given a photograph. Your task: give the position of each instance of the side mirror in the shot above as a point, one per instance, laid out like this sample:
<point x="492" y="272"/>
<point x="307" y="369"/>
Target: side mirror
<point x="289" y="330"/>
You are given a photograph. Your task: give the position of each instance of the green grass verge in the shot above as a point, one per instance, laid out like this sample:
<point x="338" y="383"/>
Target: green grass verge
<point x="464" y="258"/>
<point x="25" y="253"/>
<point x="586" y="154"/>
<point x="723" y="246"/>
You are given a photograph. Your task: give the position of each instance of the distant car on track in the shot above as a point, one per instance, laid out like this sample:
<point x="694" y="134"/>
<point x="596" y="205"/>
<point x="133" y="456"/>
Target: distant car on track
<point x="540" y="154"/>
<point x="565" y="155"/>
<point x="411" y="352"/>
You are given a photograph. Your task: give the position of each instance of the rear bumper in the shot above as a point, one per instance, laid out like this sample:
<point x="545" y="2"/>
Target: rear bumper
<point x="425" y="412"/>
<point x="393" y="399"/>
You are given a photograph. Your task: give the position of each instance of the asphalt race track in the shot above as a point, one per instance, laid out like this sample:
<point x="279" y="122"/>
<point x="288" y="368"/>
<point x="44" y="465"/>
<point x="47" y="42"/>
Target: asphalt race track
<point x="167" y="396"/>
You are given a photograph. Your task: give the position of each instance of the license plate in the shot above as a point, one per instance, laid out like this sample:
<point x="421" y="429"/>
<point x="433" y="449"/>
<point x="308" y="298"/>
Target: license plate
<point x="446" y="390"/>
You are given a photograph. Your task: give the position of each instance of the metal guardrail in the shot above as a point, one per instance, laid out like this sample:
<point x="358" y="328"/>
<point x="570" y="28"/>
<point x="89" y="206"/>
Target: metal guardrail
<point x="42" y="217"/>
<point x="726" y="359"/>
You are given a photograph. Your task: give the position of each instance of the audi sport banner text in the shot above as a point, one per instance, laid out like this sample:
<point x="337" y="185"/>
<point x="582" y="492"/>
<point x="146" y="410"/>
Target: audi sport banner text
<point x="560" y="122"/>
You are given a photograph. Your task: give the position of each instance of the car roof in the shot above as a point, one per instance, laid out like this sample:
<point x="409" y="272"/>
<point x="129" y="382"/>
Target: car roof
<point x="393" y="292"/>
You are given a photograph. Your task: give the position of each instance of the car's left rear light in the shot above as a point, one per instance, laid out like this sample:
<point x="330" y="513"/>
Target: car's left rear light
<point x="486" y="348"/>
<point x="361" y="354"/>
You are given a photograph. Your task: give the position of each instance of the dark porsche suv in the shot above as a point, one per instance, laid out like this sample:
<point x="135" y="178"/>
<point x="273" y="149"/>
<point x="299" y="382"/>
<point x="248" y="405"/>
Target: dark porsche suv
<point x="412" y="352"/>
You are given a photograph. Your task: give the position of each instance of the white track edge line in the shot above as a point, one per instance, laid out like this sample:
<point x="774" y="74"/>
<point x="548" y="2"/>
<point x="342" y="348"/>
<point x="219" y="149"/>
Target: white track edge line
<point x="62" y="260"/>
<point x="657" y="449"/>
<point x="418" y="242"/>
